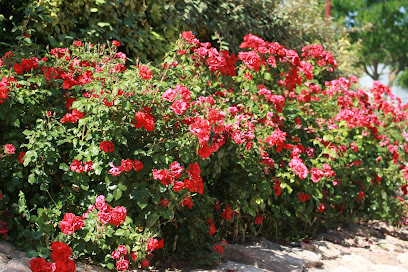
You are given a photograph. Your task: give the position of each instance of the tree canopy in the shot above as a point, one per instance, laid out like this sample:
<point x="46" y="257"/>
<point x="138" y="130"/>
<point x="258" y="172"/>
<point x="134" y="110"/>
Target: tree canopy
<point x="381" y="27"/>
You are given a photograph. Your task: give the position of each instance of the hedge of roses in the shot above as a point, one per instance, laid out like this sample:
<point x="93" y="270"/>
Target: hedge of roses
<point x="124" y="162"/>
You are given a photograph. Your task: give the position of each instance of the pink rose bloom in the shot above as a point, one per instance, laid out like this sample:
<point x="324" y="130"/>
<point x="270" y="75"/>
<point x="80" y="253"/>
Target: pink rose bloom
<point x="169" y="95"/>
<point x="10" y="149"/>
<point x="114" y="171"/>
<point x="100" y="203"/>
<point x="104" y="217"/>
<point x="179" y="107"/>
<point x="88" y="166"/>
<point x="76" y="166"/>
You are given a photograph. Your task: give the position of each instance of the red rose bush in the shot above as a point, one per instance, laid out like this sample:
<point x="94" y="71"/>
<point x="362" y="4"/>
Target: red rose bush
<point x="207" y="146"/>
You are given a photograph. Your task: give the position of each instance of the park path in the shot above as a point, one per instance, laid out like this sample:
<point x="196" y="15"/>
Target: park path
<point x="373" y="246"/>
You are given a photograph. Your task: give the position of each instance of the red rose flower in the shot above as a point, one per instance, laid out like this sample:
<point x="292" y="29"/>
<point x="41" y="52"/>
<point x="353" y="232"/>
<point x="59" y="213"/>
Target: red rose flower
<point x="76" y="166"/>
<point x="164" y="202"/>
<point x="178" y="186"/>
<point x="321" y="207"/>
<point x="134" y="256"/>
<point x="116" y="43"/>
<point x="107" y="146"/>
<point x="204" y="151"/>
<point x="218" y="248"/>
<point x="126" y="165"/>
<point x="37" y="264"/>
<point x="176" y="170"/>
<point x="226" y="213"/>
<point x="77" y="43"/>
<point x="145" y="263"/>
<point x="122" y="250"/>
<point x="122" y="264"/>
<point x="304" y="197"/>
<point x="3" y="227"/>
<point x="212" y="229"/>
<point x="118" y="215"/>
<point x="144" y="119"/>
<point x="187" y="202"/>
<point x="169" y="95"/>
<point x="258" y="220"/>
<point x="164" y="176"/>
<point x="70" y="223"/>
<point x="188" y="36"/>
<point x="137" y="165"/>
<point x="60" y="252"/>
<point x="154" y="244"/>
<point x="145" y="72"/>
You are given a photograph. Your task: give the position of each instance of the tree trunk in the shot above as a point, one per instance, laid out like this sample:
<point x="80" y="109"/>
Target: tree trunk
<point x="327" y="10"/>
<point x="392" y="75"/>
<point x="374" y="74"/>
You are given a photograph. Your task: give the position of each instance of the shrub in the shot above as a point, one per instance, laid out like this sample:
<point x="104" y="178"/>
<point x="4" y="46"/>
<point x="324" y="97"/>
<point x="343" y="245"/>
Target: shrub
<point x="205" y="147"/>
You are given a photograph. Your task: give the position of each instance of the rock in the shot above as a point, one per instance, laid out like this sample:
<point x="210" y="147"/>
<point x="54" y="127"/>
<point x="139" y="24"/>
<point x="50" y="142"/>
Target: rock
<point x="356" y="263"/>
<point x="6" y="247"/>
<point x="3" y="261"/>
<point x="383" y="227"/>
<point x="266" y="255"/>
<point x="16" y="266"/>
<point x="268" y="244"/>
<point x="364" y="231"/>
<point x="403" y="258"/>
<point x="238" y="267"/>
<point x="24" y="260"/>
<point x="326" y="249"/>
<point x="18" y="254"/>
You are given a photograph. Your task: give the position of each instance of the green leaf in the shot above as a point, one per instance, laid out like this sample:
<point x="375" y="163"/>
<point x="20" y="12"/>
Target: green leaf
<point x="85" y="186"/>
<point x="119" y="232"/>
<point x="32" y="179"/>
<point x="122" y="187"/>
<point x="117" y="194"/>
<point x="168" y="214"/>
<point x="141" y="197"/>
<point x="22" y="204"/>
<point x="103" y="24"/>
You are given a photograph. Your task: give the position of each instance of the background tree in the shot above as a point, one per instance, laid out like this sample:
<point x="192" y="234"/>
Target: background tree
<point x="381" y="27"/>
